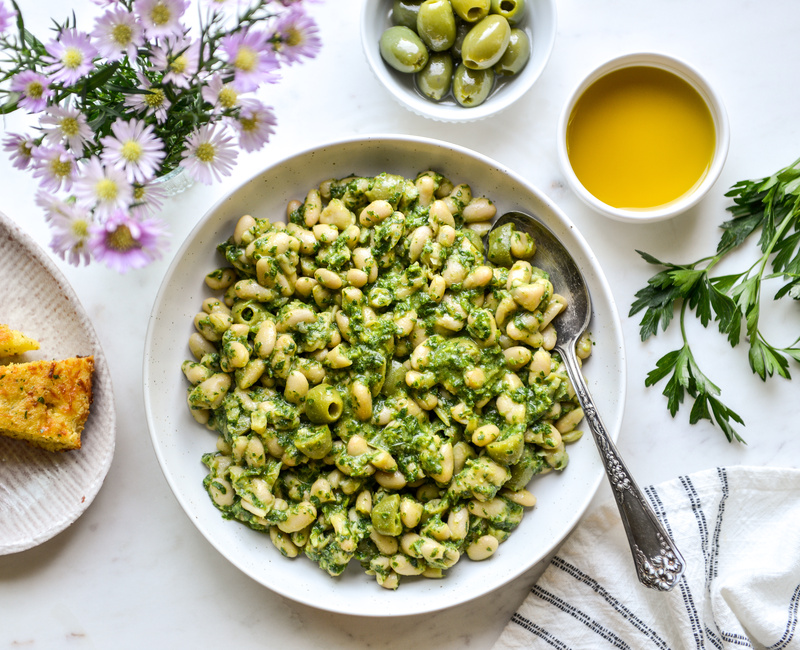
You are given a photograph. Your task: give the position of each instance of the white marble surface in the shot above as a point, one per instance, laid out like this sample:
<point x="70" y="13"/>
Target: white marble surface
<point x="133" y="571"/>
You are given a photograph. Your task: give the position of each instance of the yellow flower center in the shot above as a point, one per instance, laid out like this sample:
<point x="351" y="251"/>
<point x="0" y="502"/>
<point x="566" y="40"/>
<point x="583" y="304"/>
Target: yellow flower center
<point x="106" y="189"/>
<point x="121" y="34"/>
<point x="121" y="239"/>
<point x="69" y="126"/>
<point x="160" y="15"/>
<point x="246" y="59"/>
<point x="205" y="152"/>
<point x="72" y="58"/>
<point x="294" y="37"/>
<point x="24" y="149"/>
<point x="138" y="193"/>
<point x="228" y="97"/>
<point x="34" y="89"/>
<point x="248" y="123"/>
<point x="131" y="151"/>
<point x="155" y="98"/>
<point x="80" y="228"/>
<point x="61" y="168"/>
<point x="179" y="64"/>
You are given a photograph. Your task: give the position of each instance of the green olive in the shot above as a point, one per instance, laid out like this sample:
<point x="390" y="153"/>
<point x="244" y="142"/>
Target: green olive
<point x="472" y="87"/>
<point x="516" y="55"/>
<point x="471" y="10"/>
<point x="404" y="13"/>
<point x="512" y="10"/>
<point x="402" y="49"/>
<point x="323" y="404"/>
<point x="315" y="442"/>
<point x="486" y="43"/>
<point x="462" y="29"/>
<point x="435" y="78"/>
<point x="436" y="25"/>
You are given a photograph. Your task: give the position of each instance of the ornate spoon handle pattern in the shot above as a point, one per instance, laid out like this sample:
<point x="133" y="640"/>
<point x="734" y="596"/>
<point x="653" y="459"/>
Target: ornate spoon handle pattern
<point x="659" y="564"/>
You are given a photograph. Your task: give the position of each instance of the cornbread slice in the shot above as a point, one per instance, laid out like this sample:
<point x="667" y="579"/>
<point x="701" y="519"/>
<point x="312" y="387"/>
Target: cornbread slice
<point x="46" y="403"/>
<point x="13" y="342"/>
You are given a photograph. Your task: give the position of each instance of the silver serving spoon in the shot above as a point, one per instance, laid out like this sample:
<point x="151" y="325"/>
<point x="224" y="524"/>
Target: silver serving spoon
<point x="659" y="564"/>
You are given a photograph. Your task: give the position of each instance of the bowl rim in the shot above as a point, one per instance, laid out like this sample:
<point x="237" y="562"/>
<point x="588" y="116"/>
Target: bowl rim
<point x="164" y="430"/>
<point x="693" y="77"/>
<point x="446" y="112"/>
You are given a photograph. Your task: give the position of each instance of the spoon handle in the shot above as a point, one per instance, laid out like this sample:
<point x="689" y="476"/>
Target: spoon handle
<point x="659" y="564"/>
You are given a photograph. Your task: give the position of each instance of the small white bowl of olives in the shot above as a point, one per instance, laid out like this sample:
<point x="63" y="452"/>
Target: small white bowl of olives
<point x="457" y="60"/>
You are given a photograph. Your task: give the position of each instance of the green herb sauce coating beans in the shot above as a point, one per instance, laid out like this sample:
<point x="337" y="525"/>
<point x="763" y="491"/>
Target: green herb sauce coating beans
<point x="381" y="391"/>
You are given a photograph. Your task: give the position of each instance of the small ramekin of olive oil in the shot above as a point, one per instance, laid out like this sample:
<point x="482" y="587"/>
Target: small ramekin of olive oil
<point x="643" y="138"/>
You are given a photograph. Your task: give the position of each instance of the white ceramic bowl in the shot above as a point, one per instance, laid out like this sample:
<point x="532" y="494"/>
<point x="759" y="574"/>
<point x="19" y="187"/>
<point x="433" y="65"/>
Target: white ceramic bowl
<point x="179" y="441"/>
<point x="718" y="114"/>
<point x="540" y="23"/>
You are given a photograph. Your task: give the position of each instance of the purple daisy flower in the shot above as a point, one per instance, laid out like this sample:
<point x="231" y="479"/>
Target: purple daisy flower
<point x="124" y="242"/>
<point x="65" y="124"/>
<point x="135" y="148"/>
<point x="34" y="90"/>
<point x="118" y="33"/>
<point x="154" y="102"/>
<point x="70" y="224"/>
<point x="253" y="62"/>
<point x="296" y="36"/>
<point x="55" y="166"/>
<point x="222" y="96"/>
<point x="179" y="59"/>
<point x="161" y="18"/>
<point x="6" y="17"/>
<point x="104" y="188"/>
<point x="255" y="124"/>
<point x="69" y="57"/>
<point x="209" y="154"/>
<point x="20" y="150"/>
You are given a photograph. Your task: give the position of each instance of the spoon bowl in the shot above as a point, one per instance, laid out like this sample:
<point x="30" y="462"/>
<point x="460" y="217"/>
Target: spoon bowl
<point x="659" y="564"/>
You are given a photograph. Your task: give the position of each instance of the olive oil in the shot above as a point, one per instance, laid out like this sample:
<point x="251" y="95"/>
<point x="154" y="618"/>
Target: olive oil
<point x="640" y="137"/>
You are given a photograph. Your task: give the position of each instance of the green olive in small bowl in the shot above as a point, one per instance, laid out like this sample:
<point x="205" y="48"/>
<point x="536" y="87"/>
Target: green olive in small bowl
<point x="508" y="41"/>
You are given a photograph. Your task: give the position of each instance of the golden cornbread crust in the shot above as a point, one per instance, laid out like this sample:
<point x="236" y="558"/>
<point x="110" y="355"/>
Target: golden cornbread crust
<point x="46" y="403"/>
<point x="13" y="342"/>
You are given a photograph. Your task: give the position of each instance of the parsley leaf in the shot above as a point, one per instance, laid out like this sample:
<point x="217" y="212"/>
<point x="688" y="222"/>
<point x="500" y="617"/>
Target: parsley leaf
<point x="733" y="302"/>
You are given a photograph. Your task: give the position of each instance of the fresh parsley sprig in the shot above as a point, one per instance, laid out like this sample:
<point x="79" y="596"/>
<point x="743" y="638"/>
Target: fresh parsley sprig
<point x="733" y="302"/>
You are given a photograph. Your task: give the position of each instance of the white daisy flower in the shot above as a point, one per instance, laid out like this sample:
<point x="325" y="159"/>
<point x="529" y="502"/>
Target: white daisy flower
<point x="117" y="33"/>
<point x="209" y="154"/>
<point x="133" y="147"/>
<point x="104" y="188"/>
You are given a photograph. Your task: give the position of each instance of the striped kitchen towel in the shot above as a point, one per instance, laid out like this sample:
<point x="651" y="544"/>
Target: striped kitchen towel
<point x="738" y="529"/>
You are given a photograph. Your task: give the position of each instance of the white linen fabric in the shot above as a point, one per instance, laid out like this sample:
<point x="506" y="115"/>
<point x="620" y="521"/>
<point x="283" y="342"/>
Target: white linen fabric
<point x="738" y="529"/>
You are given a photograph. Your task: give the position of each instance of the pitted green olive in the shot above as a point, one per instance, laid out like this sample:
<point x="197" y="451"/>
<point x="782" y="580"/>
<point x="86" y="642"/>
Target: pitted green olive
<point x="512" y="10"/>
<point x="516" y="55"/>
<point x="472" y="87"/>
<point x="486" y="43"/>
<point x="402" y="49"/>
<point x="434" y="79"/>
<point x="471" y="10"/>
<point x="436" y="25"/>
<point x="404" y="13"/>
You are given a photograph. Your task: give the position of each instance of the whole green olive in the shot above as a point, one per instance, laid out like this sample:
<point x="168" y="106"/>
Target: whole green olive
<point x="404" y="13"/>
<point x="462" y="29"/>
<point x="472" y="87"/>
<point x="516" y="55"/>
<point x="471" y="10"/>
<point x="435" y="78"/>
<point x="436" y="25"/>
<point x="512" y="10"/>
<point x="486" y="42"/>
<point x="402" y="49"/>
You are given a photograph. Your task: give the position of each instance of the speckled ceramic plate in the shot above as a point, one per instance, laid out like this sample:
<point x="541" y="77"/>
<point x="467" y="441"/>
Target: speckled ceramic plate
<point x="180" y="442"/>
<point x="41" y="492"/>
